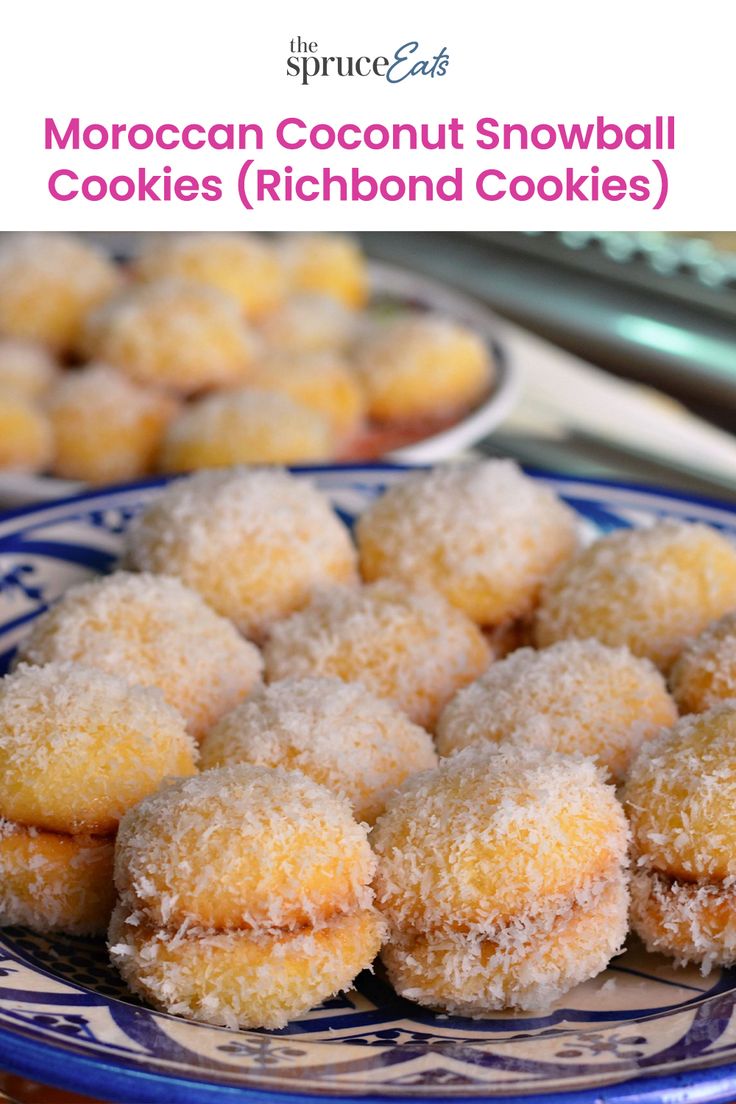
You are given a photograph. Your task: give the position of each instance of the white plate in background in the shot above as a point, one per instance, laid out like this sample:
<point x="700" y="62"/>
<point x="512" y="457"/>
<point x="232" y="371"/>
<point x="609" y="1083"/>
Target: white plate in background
<point x="403" y="287"/>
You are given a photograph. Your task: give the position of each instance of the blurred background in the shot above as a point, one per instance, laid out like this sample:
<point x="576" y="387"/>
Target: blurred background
<point x="658" y="308"/>
<point x="615" y="353"/>
<point x="655" y="309"/>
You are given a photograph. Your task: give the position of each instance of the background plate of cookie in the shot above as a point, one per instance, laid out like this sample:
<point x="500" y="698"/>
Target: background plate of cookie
<point x="77" y="404"/>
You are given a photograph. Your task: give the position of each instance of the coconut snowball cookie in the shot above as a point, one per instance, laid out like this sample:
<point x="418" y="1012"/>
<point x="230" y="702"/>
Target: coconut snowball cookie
<point x="78" y="747"/>
<point x="241" y="266"/>
<point x="576" y="696"/>
<point x="48" y="285"/>
<point x="650" y="589"/>
<point x="681" y="801"/>
<point x="106" y="427"/>
<point x="407" y="645"/>
<point x="51" y="881"/>
<point x="483" y="534"/>
<point x="705" y="673"/>
<point x="502" y="876"/>
<point x="256" y="544"/>
<point x="417" y="367"/>
<point x="328" y="264"/>
<point x="175" y="335"/>
<point x="26" y="443"/>
<point x="337" y="733"/>
<point x="246" y="426"/>
<point x="26" y="367"/>
<point x="152" y="631"/>
<point x="321" y="382"/>
<point x="309" y="324"/>
<point x="245" y="897"/>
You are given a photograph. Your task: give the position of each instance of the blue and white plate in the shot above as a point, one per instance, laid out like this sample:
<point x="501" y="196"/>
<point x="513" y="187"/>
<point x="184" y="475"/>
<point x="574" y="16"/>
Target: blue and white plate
<point x="641" y="1032"/>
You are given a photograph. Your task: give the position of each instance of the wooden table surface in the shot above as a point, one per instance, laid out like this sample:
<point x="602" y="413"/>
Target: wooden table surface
<point x="19" y="1090"/>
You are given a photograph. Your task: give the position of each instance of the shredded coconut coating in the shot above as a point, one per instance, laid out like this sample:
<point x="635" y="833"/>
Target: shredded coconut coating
<point x="681" y="798"/>
<point x="106" y="427"/>
<point x="53" y="882"/>
<point x="240" y="980"/>
<point x="336" y="733"/>
<point x="328" y="264"/>
<point x="151" y="630"/>
<point x="241" y="266"/>
<point x="705" y="673"/>
<point x="650" y="589"/>
<point x="322" y="382"/>
<point x="422" y="365"/>
<point x="48" y="284"/>
<point x="502" y="877"/>
<point x="25" y="434"/>
<point x="78" y="747"/>
<point x="255" y="544"/>
<point x="246" y="426"/>
<point x="244" y="847"/>
<point x="575" y="696"/>
<point x="495" y="834"/>
<point x="525" y="967"/>
<point x="483" y="534"/>
<point x="26" y="368"/>
<point x="180" y="336"/>
<point x="307" y="324"/>
<point x="403" y="644"/>
<point x="689" y="921"/>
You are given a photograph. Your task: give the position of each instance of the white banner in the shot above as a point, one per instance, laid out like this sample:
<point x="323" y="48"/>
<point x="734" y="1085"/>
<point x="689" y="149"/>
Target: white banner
<point x="411" y="116"/>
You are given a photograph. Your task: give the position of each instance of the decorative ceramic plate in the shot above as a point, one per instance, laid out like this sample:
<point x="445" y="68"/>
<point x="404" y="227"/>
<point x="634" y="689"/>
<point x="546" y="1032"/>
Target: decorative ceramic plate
<point x="640" y="1032"/>
<point x="392" y="288"/>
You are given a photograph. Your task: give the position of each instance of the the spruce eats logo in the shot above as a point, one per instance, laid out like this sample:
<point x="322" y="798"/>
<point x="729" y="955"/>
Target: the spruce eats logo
<point x="409" y="60"/>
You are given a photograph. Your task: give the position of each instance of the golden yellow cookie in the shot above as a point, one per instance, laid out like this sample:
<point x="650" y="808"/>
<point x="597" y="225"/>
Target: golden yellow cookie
<point x="407" y="645"/>
<point x="650" y="589"/>
<point x="241" y="266"/>
<point x="329" y="264"/>
<point x="25" y="434"/>
<point x="483" y="534"/>
<point x="336" y="733"/>
<point x="175" y="335"/>
<point x="422" y="366"/>
<point x="54" y="882"/>
<point x="244" y="847"/>
<point x="494" y="833"/>
<point x="247" y="426"/>
<point x="307" y="325"/>
<point x="469" y="975"/>
<point x="106" y="427"/>
<point x="48" y="285"/>
<point x="575" y="696"/>
<point x="689" y="921"/>
<point x="26" y="367"/>
<point x="245" y="897"/>
<point x="239" y="979"/>
<point x="152" y="631"/>
<point x="322" y="382"/>
<point x="681" y="801"/>
<point x="78" y="747"/>
<point x="681" y="798"/>
<point x="705" y="673"/>
<point x="502" y="876"/>
<point x="255" y="544"/>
